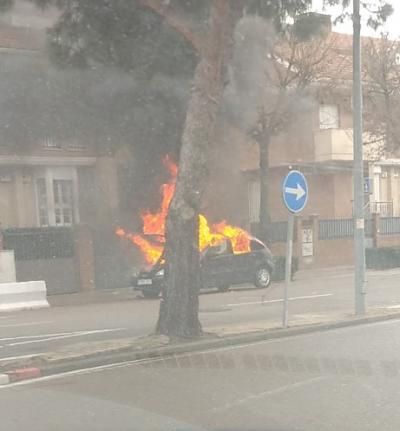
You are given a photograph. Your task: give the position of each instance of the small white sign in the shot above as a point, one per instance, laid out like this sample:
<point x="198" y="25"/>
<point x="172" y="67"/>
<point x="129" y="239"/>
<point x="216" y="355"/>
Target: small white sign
<point x="307" y="249"/>
<point x="307" y="235"/>
<point x="360" y="223"/>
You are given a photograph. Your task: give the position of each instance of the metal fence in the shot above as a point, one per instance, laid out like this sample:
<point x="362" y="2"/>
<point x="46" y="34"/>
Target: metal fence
<point x="369" y="227"/>
<point x="389" y="225"/>
<point x="39" y="243"/>
<point x="335" y="228"/>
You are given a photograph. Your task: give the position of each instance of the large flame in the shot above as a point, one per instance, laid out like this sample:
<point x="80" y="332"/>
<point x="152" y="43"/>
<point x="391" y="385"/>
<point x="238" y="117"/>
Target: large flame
<point x="154" y="224"/>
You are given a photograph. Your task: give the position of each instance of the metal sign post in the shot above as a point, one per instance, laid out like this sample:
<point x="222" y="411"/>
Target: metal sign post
<point x="358" y="169"/>
<point x="288" y="269"/>
<point x="295" y="195"/>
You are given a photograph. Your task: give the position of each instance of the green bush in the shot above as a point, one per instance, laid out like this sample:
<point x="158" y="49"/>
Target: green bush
<point x="382" y="258"/>
<point x="279" y="271"/>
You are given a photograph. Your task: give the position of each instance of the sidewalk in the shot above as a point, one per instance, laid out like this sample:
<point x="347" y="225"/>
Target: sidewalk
<point x="100" y="353"/>
<point x="95" y="296"/>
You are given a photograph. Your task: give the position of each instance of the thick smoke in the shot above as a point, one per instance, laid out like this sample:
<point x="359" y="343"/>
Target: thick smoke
<point x="247" y="75"/>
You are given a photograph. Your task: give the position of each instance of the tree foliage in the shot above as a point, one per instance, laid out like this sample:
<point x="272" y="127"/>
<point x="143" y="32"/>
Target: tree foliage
<point x="381" y="74"/>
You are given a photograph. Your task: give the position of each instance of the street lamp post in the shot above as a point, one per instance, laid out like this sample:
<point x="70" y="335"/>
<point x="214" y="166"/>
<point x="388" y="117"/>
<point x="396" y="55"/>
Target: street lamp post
<point x="358" y="167"/>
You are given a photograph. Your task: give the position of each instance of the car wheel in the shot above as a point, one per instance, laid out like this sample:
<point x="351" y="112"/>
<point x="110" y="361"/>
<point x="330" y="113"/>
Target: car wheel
<point x="263" y="277"/>
<point x="151" y="294"/>
<point x="224" y="288"/>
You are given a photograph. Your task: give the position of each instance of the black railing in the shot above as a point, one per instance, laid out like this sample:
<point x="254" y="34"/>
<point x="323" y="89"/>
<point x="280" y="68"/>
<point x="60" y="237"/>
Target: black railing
<point x="389" y="225"/>
<point x="39" y="243"/>
<point x="335" y="228"/>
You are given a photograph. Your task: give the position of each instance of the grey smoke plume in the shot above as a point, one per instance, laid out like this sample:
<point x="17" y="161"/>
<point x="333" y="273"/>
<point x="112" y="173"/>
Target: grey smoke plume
<point x="247" y="75"/>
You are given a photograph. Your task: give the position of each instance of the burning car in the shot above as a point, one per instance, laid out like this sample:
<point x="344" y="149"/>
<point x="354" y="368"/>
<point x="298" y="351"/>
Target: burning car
<point x="220" y="268"/>
<point x="229" y="254"/>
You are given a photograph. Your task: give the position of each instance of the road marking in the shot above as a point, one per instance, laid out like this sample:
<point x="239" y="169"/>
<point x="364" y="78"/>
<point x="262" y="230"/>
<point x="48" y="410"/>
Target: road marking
<point x="60" y="337"/>
<point x="12" y="358"/>
<point x="275" y="391"/>
<point x="272" y="301"/>
<point x="25" y="337"/>
<point x="124" y="364"/>
<point x="16" y="325"/>
<point x="89" y="370"/>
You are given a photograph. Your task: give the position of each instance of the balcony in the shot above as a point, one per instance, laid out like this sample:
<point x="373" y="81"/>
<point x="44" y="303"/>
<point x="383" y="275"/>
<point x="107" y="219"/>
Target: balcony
<point x="333" y="145"/>
<point x="337" y="145"/>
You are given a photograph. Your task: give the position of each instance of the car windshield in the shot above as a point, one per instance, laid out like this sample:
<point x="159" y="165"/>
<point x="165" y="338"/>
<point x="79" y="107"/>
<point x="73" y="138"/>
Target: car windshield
<point x="199" y="215"/>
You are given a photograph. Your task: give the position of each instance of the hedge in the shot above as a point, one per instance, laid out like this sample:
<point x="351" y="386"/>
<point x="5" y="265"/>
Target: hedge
<point x="382" y="258"/>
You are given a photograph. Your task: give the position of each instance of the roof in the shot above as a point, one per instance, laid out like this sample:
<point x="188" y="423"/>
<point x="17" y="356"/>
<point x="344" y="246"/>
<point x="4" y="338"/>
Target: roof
<point x="21" y="38"/>
<point x="335" y="51"/>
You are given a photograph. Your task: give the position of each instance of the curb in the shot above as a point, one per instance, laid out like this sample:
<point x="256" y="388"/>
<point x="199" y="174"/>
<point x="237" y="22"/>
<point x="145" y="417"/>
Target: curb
<point x="4" y="379"/>
<point x="126" y="354"/>
<point x="19" y="374"/>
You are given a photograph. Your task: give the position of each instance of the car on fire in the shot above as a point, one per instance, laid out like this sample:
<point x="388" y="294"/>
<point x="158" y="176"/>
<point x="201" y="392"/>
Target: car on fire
<point x="221" y="268"/>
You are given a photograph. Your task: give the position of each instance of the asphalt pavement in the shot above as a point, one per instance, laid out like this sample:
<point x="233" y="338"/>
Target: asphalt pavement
<point x="346" y="379"/>
<point x="314" y="297"/>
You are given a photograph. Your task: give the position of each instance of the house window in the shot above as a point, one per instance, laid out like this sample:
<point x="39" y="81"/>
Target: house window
<point x="329" y="116"/>
<point x="56" y="191"/>
<point x="42" y="202"/>
<point x="63" y="202"/>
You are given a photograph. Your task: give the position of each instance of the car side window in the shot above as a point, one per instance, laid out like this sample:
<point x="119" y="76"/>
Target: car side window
<point x="220" y="249"/>
<point x="255" y="245"/>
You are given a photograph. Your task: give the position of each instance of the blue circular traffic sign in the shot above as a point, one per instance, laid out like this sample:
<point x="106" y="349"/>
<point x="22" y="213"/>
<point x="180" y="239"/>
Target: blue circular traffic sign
<point x="295" y="191"/>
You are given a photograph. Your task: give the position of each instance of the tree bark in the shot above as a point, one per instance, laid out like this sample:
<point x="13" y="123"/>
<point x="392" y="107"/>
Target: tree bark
<point x="264" y="144"/>
<point x="178" y="316"/>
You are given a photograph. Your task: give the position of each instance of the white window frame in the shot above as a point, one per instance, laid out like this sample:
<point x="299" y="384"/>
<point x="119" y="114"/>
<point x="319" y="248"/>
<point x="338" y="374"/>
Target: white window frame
<point x="57" y="173"/>
<point x="329" y="116"/>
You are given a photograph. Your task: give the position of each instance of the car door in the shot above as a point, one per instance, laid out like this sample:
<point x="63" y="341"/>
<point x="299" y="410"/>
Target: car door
<point x="246" y="264"/>
<point x="217" y="265"/>
<point x="243" y="267"/>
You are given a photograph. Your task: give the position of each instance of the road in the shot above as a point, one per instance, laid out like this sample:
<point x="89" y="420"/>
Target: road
<point x="345" y="379"/>
<point x="31" y="332"/>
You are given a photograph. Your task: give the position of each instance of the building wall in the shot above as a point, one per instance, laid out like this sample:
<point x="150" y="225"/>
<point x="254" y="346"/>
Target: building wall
<point x="343" y="195"/>
<point x="17" y="198"/>
<point x="226" y="194"/>
<point x="8" y="215"/>
<point x="61" y="275"/>
<point x="25" y="198"/>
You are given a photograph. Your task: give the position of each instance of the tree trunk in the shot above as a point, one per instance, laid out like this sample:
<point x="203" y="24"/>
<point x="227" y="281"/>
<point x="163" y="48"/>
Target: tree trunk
<point x="179" y="306"/>
<point x="263" y="144"/>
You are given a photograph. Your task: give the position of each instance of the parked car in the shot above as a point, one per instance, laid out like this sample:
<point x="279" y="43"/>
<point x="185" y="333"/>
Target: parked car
<point x="220" y="268"/>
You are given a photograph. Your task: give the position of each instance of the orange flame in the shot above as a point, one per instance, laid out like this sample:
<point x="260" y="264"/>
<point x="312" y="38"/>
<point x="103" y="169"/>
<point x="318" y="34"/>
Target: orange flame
<point x="154" y="224"/>
<point x="152" y="252"/>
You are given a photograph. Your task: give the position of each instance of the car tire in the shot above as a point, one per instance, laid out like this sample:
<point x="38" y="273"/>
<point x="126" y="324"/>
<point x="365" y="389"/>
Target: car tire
<point x="224" y="288"/>
<point x="150" y="294"/>
<point x="263" y="277"/>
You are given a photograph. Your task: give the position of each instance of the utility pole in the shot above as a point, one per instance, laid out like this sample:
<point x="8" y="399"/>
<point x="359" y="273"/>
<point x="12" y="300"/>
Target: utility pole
<point x="358" y="167"/>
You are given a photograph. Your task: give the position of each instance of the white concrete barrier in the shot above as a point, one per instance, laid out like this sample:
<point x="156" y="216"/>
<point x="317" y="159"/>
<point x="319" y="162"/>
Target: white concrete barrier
<point x="23" y="296"/>
<point x="7" y="266"/>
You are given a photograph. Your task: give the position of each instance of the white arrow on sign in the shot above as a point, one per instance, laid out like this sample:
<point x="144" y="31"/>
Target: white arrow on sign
<point x="298" y="191"/>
